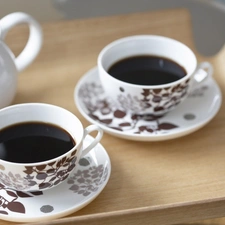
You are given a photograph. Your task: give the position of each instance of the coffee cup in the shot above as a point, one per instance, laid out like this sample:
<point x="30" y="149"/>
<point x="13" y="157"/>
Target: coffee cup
<point x="40" y="145"/>
<point x="148" y="74"/>
<point x="10" y="65"/>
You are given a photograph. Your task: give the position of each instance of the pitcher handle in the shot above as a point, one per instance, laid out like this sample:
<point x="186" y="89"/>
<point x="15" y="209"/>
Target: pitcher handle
<point x="34" y="42"/>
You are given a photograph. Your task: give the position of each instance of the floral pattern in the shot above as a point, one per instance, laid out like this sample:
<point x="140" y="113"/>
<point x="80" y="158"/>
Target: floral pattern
<point x="40" y="177"/>
<point x="9" y="199"/>
<point x="15" y="181"/>
<point x="158" y="101"/>
<point x="106" y="112"/>
<point x="84" y="182"/>
<point x="83" y="185"/>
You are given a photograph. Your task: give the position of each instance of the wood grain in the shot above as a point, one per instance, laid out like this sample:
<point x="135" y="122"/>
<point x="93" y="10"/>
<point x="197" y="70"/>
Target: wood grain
<point x="176" y="181"/>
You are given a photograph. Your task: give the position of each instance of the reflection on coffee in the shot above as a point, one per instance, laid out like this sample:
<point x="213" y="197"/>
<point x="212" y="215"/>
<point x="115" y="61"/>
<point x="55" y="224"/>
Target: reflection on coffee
<point x="147" y="70"/>
<point x="33" y="142"/>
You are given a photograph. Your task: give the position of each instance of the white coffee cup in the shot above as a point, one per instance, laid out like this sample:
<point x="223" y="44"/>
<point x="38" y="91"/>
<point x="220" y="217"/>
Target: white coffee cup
<point x="150" y="99"/>
<point x="42" y="175"/>
<point x="10" y="65"/>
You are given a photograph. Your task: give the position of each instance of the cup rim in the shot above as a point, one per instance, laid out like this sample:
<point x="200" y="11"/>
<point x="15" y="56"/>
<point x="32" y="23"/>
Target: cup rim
<point x="129" y="38"/>
<point x="49" y="160"/>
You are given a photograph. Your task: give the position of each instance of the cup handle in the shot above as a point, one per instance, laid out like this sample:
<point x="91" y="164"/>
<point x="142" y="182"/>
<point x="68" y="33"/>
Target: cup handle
<point x="203" y="71"/>
<point x="98" y="137"/>
<point x="34" y="42"/>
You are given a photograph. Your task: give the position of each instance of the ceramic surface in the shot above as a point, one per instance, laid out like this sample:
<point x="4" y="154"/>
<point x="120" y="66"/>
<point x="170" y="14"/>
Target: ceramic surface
<point x="11" y="65"/>
<point x="197" y="110"/>
<point x="83" y="186"/>
<point x="150" y="99"/>
<point x="42" y="175"/>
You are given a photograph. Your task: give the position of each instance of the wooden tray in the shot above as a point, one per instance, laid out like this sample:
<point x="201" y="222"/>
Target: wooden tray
<point x="180" y="180"/>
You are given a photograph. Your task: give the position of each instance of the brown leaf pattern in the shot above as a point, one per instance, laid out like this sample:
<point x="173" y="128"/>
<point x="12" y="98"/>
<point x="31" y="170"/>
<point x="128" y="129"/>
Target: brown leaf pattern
<point x="117" y="118"/>
<point x="10" y="200"/>
<point x="158" y="100"/>
<point x="51" y="174"/>
<point x="40" y="177"/>
<point x="114" y="117"/>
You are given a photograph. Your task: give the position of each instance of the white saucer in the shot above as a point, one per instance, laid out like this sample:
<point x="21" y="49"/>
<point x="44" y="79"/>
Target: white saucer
<point x="82" y="187"/>
<point x="195" y="112"/>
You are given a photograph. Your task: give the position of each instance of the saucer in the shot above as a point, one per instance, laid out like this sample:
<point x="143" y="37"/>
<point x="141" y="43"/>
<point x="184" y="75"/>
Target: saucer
<point x="82" y="187"/>
<point x="197" y="110"/>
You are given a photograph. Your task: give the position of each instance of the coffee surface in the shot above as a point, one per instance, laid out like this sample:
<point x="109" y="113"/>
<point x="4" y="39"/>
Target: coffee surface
<point x="147" y="70"/>
<point x="33" y="142"/>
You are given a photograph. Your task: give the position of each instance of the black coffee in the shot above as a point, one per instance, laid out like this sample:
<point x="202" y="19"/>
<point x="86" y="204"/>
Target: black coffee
<point x="33" y="142"/>
<point x="147" y="70"/>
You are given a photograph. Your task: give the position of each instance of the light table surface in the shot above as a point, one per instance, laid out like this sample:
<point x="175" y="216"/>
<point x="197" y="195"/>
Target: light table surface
<point x="180" y="180"/>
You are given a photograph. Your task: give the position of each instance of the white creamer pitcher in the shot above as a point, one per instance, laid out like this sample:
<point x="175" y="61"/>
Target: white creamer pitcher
<point x="10" y="65"/>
